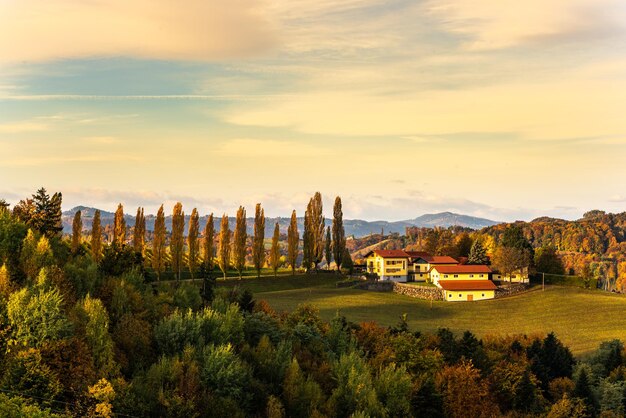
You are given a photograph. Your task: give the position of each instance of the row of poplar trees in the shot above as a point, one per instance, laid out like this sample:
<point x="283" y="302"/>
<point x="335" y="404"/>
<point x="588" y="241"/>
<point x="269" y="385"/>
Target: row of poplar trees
<point x="319" y="242"/>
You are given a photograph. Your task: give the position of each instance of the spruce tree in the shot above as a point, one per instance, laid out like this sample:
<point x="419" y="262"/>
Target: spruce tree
<point x="293" y="239"/>
<point x="239" y="241"/>
<point x="158" y="244"/>
<point x="477" y="254"/>
<point x="258" y="244"/>
<point x="177" y="241"/>
<point x="339" y="234"/>
<point x="328" y="248"/>
<point x="77" y="230"/>
<point x="207" y="245"/>
<point x="119" y="227"/>
<point x="192" y="242"/>
<point x="139" y="232"/>
<point x="275" y="250"/>
<point x="96" y="238"/>
<point x="223" y="258"/>
<point x="47" y="216"/>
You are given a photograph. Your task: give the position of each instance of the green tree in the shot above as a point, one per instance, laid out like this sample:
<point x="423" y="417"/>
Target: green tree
<point x="96" y="325"/>
<point x="393" y="386"/>
<point x="339" y="234"/>
<point x="6" y="287"/>
<point x="208" y="244"/>
<point x="258" y="243"/>
<point x="223" y="258"/>
<point x="302" y="395"/>
<point x="192" y="242"/>
<point x="47" y="218"/>
<point x="139" y="232"/>
<point x="35" y="255"/>
<point x="548" y="261"/>
<point x="158" y="244"/>
<point x="478" y="254"/>
<point x="177" y="241"/>
<point x="96" y="238"/>
<point x="314" y="228"/>
<point x="347" y="262"/>
<point x="119" y="227"/>
<point x="275" y="250"/>
<point x="293" y="240"/>
<point x="463" y="245"/>
<point x="355" y="390"/>
<point x="328" y="248"/>
<point x="77" y="231"/>
<point x="582" y="390"/>
<point x="240" y="237"/>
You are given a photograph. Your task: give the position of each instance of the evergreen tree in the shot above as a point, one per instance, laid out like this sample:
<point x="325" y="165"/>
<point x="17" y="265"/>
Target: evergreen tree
<point x="96" y="238"/>
<point x="583" y="391"/>
<point x="293" y="239"/>
<point x="207" y="245"/>
<point x="339" y="234"/>
<point x="47" y="216"/>
<point x="275" y="250"/>
<point x="258" y="245"/>
<point x="328" y="248"/>
<point x="77" y="230"/>
<point x="158" y="244"/>
<point x="119" y="227"/>
<point x="239" y="241"/>
<point x="478" y="254"/>
<point x="177" y="241"/>
<point x="223" y="258"/>
<point x="192" y="242"/>
<point x="139" y="232"/>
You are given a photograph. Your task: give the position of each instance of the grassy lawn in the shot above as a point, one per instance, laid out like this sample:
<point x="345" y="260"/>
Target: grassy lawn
<point x="580" y="318"/>
<point x="275" y="284"/>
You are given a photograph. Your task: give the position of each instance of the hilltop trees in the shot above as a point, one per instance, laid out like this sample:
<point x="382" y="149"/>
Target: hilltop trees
<point x="207" y="244"/>
<point x="339" y="234"/>
<point x="258" y="243"/>
<point x="77" y="230"/>
<point x="139" y="232"/>
<point x="223" y="258"/>
<point x="239" y="241"/>
<point x="293" y="239"/>
<point x="177" y="242"/>
<point x="96" y="238"/>
<point x="313" y="233"/>
<point x="47" y="215"/>
<point x="275" y="250"/>
<point x="158" y="244"/>
<point x="192" y="241"/>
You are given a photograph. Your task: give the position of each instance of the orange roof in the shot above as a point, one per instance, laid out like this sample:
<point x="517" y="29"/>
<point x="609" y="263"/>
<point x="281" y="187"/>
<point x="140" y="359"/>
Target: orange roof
<point x="417" y="254"/>
<point x="440" y="259"/>
<point x="389" y="253"/>
<point x="467" y="285"/>
<point x="463" y="268"/>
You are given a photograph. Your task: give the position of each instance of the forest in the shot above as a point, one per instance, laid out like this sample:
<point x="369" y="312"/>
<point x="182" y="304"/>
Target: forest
<point x="88" y="328"/>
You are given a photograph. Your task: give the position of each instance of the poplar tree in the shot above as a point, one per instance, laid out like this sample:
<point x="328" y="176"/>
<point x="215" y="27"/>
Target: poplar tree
<point x="158" y="244"/>
<point x="77" y="231"/>
<point x="96" y="238"/>
<point x="275" y="250"/>
<point x="192" y="242"/>
<point x="314" y="230"/>
<point x="293" y="239"/>
<point x="139" y="232"/>
<point x="207" y="247"/>
<point x="258" y="244"/>
<point x="307" y="251"/>
<point x="328" y="248"/>
<point x="119" y="227"/>
<point x="177" y="241"/>
<point x="224" y="252"/>
<point x="339" y="234"/>
<point x="239" y="241"/>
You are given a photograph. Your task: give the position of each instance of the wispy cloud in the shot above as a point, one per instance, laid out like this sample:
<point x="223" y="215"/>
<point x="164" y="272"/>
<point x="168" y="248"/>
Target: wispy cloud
<point x="247" y="147"/>
<point x="21" y="127"/>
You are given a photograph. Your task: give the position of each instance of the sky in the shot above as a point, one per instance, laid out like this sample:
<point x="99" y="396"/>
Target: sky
<point x="506" y="110"/>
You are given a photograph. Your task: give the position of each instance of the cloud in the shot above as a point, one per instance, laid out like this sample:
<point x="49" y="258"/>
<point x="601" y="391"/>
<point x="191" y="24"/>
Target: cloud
<point x="269" y="148"/>
<point x="21" y="127"/>
<point x="200" y="30"/>
<point x="617" y="198"/>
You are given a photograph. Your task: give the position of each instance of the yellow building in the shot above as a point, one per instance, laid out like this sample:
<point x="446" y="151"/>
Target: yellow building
<point x="421" y="264"/>
<point x="518" y="276"/>
<point x="388" y="264"/>
<point x="464" y="282"/>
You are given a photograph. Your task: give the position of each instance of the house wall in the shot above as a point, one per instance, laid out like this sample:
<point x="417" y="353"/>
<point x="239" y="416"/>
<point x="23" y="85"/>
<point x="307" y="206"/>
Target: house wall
<point x="395" y="269"/>
<point x="436" y="276"/>
<point x="461" y="295"/>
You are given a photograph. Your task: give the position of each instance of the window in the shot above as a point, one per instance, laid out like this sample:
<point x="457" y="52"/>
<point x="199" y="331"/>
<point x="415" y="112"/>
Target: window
<point x="450" y="295"/>
<point x="456" y="275"/>
<point x="483" y="295"/>
<point x="445" y="276"/>
<point x="471" y="275"/>
<point x="460" y="294"/>
<point x="421" y="275"/>
<point x="481" y="275"/>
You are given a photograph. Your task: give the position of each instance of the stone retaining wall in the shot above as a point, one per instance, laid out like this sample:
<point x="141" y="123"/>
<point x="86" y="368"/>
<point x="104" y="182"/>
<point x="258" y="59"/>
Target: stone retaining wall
<point x="419" y="292"/>
<point x="513" y="289"/>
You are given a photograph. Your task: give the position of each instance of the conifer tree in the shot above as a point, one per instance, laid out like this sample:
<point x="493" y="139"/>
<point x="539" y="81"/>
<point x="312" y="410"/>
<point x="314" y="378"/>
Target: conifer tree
<point x="96" y="238"/>
<point x="477" y="254"/>
<point x="328" y="248"/>
<point x="239" y="241"/>
<point x="77" y="230"/>
<point x="119" y="227"/>
<point x="224" y="252"/>
<point x="177" y="241"/>
<point x="139" y="232"/>
<point x="293" y="239"/>
<point x="275" y="250"/>
<point x="339" y="234"/>
<point x="47" y="216"/>
<point x="207" y="245"/>
<point x="158" y="244"/>
<point x="258" y="244"/>
<point x="192" y="242"/>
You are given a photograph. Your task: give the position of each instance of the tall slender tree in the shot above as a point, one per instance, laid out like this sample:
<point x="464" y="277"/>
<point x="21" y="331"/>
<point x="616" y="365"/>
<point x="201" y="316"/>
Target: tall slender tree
<point x="207" y="244"/>
<point x="96" y="238"/>
<point x="139" y="232"/>
<point x="293" y="239"/>
<point x="328" y="248"/>
<point x="177" y="241"/>
<point x="275" y="250"/>
<point x="158" y="244"/>
<point x="307" y="246"/>
<point x="239" y="241"/>
<point x="339" y="234"/>
<point x="223" y="258"/>
<point x="119" y="227"/>
<point x="258" y="243"/>
<point x="314" y="229"/>
<point x="77" y="232"/>
<point x="192" y="242"/>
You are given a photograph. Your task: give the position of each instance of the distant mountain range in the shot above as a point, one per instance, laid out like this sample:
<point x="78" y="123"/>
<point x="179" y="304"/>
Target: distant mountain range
<point x="356" y="227"/>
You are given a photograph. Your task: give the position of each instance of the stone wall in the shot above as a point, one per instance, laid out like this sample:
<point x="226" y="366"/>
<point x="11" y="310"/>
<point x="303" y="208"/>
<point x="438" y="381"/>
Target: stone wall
<point x="419" y="292"/>
<point x="512" y="289"/>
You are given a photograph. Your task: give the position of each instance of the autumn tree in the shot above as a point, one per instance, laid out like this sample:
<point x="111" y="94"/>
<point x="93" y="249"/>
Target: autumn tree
<point x="77" y="230"/>
<point x="314" y="228"/>
<point x="339" y="234"/>
<point x="223" y="258"/>
<point x="508" y="260"/>
<point x="239" y="241"/>
<point x="478" y="254"/>
<point x="119" y="227"/>
<point x="35" y="255"/>
<point x="177" y="242"/>
<point x="258" y="243"/>
<point x="275" y="250"/>
<point x="158" y="244"/>
<point x="192" y="241"/>
<point x="328" y="248"/>
<point x="293" y="239"/>
<point x="6" y="287"/>
<point x="463" y="245"/>
<point x="139" y="232"/>
<point x="96" y="238"/>
<point x="207" y="244"/>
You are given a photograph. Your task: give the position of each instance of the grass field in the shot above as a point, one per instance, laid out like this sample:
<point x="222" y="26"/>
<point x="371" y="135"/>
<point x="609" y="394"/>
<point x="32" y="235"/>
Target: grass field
<point x="582" y="319"/>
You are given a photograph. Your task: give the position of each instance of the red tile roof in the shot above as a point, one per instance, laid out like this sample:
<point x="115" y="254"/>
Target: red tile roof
<point x="467" y="285"/>
<point x="389" y="253"/>
<point x="462" y="269"/>
<point x="417" y="254"/>
<point x="440" y="259"/>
